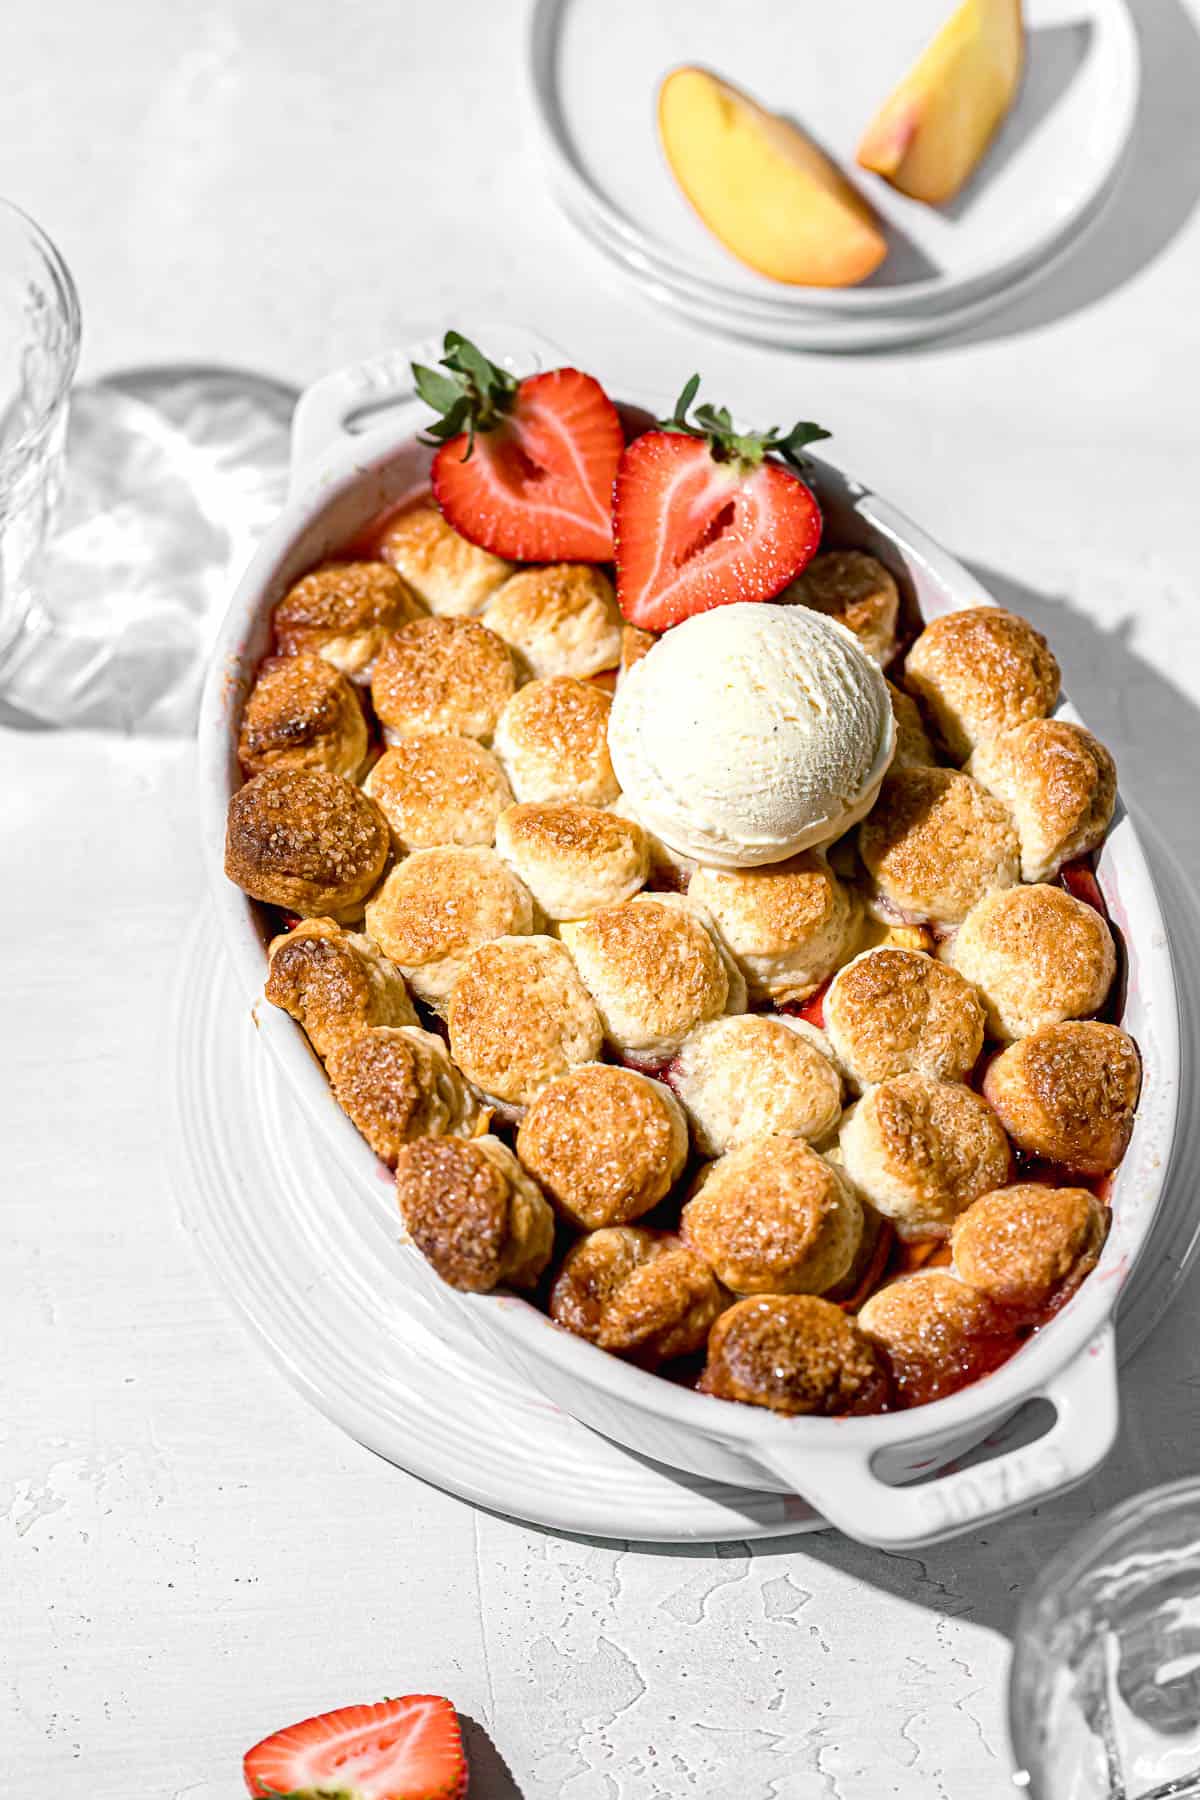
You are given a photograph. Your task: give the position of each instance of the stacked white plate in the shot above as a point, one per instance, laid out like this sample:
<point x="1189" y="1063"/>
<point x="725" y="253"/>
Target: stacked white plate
<point x="594" y="73"/>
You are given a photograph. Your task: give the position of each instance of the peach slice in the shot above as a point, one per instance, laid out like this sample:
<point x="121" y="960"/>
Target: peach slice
<point x="762" y="187"/>
<point x="932" y="130"/>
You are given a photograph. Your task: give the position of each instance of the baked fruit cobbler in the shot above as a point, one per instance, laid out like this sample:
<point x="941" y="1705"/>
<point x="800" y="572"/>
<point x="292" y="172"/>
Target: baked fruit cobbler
<point x="705" y="942"/>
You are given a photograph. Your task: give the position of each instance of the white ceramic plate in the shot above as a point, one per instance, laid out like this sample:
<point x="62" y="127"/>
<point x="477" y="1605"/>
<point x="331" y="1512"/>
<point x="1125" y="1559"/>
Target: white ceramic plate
<point x="788" y="329"/>
<point x="594" y="74"/>
<point x="322" y="1286"/>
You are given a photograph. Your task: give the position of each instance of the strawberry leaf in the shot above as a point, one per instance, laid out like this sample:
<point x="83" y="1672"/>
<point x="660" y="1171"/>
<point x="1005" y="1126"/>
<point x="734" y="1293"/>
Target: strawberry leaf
<point x="691" y="388"/>
<point x="727" y="444"/>
<point x="473" y="395"/>
<point x="801" y="435"/>
<point x="442" y="392"/>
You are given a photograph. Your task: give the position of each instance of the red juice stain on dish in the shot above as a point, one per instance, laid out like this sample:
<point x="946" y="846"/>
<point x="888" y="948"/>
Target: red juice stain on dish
<point x="1028" y="1167"/>
<point x="874" y="1272"/>
<point x="1079" y="880"/>
<point x="812" y="1010"/>
<point x="657" y="1071"/>
<point x="366" y="546"/>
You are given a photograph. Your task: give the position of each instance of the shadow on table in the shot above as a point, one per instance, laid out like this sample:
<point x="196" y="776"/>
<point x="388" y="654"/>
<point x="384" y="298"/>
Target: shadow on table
<point x="172" y="475"/>
<point x="1157" y="192"/>
<point x="1054" y="55"/>
<point x="491" y="1777"/>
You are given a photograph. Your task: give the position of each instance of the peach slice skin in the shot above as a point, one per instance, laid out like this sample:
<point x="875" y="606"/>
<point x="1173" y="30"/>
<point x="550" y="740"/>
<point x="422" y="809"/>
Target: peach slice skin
<point x="932" y="130"/>
<point x="774" y="200"/>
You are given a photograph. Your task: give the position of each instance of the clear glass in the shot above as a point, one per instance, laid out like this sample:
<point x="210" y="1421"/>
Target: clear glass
<point x="122" y="530"/>
<point x="39" y="347"/>
<point x="1104" y="1702"/>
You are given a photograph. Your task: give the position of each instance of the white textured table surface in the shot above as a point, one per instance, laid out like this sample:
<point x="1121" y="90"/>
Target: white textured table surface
<point x="191" y="1557"/>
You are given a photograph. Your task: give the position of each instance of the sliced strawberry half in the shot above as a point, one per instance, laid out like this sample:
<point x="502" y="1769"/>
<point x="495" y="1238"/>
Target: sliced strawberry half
<point x="406" y="1749"/>
<point x="705" y="515"/>
<point x="524" y="468"/>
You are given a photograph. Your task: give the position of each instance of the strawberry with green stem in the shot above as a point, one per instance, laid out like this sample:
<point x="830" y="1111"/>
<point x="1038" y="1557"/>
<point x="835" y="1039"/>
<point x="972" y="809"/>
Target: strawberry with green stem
<point x="704" y="514"/>
<point x="524" y="468"/>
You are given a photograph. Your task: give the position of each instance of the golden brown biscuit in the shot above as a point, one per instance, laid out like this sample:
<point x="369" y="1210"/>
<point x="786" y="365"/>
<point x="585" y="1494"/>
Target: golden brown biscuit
<point x="788" y="925"/>
<point x="442" y="675"/>
<point x="558" y="619"/>
<point x="936" y="1333"/>
<point x="334" y="983"/>
<point x="922" y="1150"/>
<point x="750" y="1075"/>
<point x="607" y="1144"/>
<point x="437" y="906"/>
<point x="344" y="612"/>
<point x="896" y="1012"/>
<point x="1037" y="956"/>
<point x="553" y="741"/>
<point x="1029" y="1244"/>
<point x="934" y="842"/>
<point x="437" y="788"/>
<point x="302" y="714"/>
<point x="793" y="1353"/>
<point x="573" y="859"/>
<point x="1059" y="783"/>
<point x="913" y="748"/>
<point x="656" y="970"/>
<point x="452" y="577"/>
<point x="397" y="1084"/>
<point x="979" y="672"/>
<point x="519" y="1016"/>
<point x="636" y="1293"/>
<point x="1067" y="1093"/>
<point x="307" y="841"/>
<point x="857" y="591"/>
<point x="474" y="1214"/>
<point x="773" y="1217"/>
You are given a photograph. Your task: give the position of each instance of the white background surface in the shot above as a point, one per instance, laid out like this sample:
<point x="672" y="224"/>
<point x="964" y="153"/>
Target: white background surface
<point x="190" y="1557"/>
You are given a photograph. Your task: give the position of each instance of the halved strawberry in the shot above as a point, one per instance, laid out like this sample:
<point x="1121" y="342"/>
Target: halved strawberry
<point x="406" y="1749"/>
<point x="703" y="516"/>
<point x="525" y="468"/>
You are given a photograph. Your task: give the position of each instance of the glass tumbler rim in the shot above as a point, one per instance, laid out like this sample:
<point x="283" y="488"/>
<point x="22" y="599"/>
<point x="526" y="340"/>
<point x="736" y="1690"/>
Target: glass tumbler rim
<point x="68" y="298"/>
<point x="1067" y="1566"/>
<point x="1074" y="1556"/>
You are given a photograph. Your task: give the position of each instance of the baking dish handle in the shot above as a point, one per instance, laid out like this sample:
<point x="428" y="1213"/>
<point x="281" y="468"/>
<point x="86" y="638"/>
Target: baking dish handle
<point x="379" y="392"/>
<point x="843" y="1487"/>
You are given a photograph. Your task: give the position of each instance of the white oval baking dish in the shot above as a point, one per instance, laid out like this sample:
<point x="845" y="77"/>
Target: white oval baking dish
<point x="355" y="454"/>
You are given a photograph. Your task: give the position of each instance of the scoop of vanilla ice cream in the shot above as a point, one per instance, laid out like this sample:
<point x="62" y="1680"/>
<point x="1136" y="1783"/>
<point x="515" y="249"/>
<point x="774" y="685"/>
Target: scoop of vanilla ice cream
<point x="751" y="732"/>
